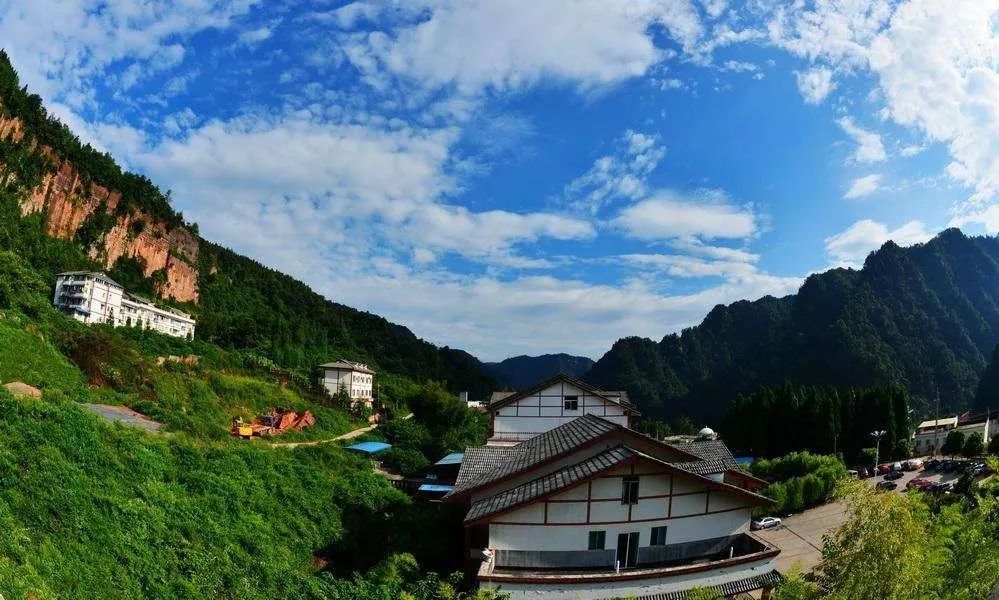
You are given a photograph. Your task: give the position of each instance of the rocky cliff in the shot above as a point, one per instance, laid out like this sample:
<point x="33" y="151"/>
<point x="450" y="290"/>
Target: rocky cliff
<point x="67" y="199"/>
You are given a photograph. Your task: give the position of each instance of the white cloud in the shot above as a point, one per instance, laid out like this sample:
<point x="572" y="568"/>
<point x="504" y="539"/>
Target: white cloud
<point x="708" y="214"/>
<point x="934" y="68"/>
<point x="863" y="186"/>
<point x="60" y="48"/>
<point x="508" y="44"/>
<point x="678" y="265"/>
<point x="869" y="146"/>
<point x="911" y="150"/>
<point x="851" y="246"/>
<point x="815" y="84"/>
<point x="255" y="36"/>
<point x="619" y="176"/>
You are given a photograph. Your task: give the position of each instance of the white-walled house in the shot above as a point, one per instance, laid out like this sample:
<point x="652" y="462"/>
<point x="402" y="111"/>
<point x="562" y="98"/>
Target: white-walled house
<point x="591" y="509"/>
<point x="92" y="297"/>
<point x="354" y="378"/>
<point x="519" y="416"/>
<point x="930" y="436"/>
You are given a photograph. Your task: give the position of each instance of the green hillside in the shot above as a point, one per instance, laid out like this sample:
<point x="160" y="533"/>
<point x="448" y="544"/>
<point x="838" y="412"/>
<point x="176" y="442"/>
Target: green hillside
<point x="93" y="509"/>
<point x="925" y="318"/>
<point x="243" y="305"/>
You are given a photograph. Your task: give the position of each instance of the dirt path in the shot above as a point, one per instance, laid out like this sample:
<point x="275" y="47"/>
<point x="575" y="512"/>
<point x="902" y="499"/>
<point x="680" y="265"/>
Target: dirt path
<point x="346" y="436"/>
<point x="124" y="414"/>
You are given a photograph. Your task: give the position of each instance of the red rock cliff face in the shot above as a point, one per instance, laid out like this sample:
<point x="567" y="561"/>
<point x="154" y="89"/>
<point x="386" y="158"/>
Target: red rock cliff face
<point x="67" y="200"/>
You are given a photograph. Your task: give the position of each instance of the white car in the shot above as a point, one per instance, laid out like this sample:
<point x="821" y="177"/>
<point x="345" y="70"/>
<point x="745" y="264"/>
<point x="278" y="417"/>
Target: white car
<point x="765" y="523"/>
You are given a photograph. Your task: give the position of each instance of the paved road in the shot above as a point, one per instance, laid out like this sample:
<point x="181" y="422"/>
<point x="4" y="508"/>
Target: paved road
<point x="799" y="536"/>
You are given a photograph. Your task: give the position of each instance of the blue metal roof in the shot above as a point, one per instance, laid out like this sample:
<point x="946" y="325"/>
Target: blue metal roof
<point x="370" y="447"/>
<point x="454" y="458"/>
<point x="436" y="487"/>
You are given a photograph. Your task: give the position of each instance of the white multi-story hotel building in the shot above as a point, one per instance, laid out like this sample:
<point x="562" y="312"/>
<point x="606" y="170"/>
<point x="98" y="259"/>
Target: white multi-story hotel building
<point x="519" y="416"/>
<point x="96" y="298"/>
<point x="591" y="509"/>
<point x="355" y="378"/>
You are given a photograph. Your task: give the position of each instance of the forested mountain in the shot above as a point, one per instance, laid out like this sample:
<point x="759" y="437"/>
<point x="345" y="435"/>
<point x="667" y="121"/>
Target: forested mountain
<point x="521" y="372"/>
<point x="127" y="226"/>
<point x="925" y="318"/>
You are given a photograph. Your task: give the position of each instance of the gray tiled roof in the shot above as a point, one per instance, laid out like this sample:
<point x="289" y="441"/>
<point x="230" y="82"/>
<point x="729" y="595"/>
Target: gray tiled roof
<point x="497" y="400"/>
<point x="702" y="467"/>
<point x="552" y="482"/>
<point x="538" y="449"/>
<point x="711" y="450"/>
<point x="480" y="460"/>
<point x="740" y="586"/>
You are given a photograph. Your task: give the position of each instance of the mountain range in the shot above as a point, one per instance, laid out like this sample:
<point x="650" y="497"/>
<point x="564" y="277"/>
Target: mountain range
<point x="521" y="372"/>
<point x="925" y="318"/>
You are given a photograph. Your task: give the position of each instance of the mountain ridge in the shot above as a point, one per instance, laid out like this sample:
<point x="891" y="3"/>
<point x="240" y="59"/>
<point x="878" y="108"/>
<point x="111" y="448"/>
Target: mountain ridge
<point x="521" y="372"/>
<point x="925" y="317"/>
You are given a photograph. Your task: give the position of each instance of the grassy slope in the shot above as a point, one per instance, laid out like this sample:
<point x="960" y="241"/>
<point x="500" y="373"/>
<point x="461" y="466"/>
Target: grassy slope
<point x="91" y="509"/>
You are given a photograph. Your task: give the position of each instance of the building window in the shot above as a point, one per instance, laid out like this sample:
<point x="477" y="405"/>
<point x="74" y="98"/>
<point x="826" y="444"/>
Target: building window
<point x="598" y="540"/>
<point x="571" y="403"/>
<point x="629" y="490"/>
<point x="658" y="536"/>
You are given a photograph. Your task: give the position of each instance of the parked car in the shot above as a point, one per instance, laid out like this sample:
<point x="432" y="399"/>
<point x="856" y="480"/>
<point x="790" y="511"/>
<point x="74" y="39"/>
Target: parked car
<point x="896" y="466"/>
<point x="918" y="483"/>
<point x="853" y="473"/>
<point x="931" y="465"/>
<point x="913" y="464"/>
<point x="884" y="469"/>
<point x="940" y="488"/>
<point x="886" y="485"/>
<point x="948" y="466"/>
<point x="894" y="475"/>
<point x="765" y="523"/>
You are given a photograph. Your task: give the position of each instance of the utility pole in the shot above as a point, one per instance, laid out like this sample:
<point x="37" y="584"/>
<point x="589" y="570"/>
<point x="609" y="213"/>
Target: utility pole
<point x="877" y="445"/>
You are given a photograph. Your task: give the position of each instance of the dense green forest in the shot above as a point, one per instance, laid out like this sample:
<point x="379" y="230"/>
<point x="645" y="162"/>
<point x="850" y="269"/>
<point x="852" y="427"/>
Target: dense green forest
<point x="243" y="304"/>
<point x="772" y="422"/>
<point x="925" y="318"/>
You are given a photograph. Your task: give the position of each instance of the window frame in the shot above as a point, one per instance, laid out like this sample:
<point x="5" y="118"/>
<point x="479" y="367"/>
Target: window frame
<point x="660" y="529"/>
<point x="629" y="490"/>
<point x="570" y="403"/>
<point x="597" y="535"/>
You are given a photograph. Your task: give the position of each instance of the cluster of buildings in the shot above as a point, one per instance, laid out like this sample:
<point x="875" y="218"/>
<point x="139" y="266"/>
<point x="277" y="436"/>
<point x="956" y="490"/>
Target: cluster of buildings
<point x="91" y="297"/>
<point x="567" y="501"/>
<point x="930" y="436"/>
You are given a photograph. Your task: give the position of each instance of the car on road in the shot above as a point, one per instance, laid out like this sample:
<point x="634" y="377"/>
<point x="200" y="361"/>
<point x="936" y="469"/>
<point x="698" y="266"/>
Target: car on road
<point x="894" y="475"/>
<point x="931" y="465"/>
<point x="918" y="483"/>
<point x="765" y="523"/>
<point x="884" y="469"/>
<point x="940" y="488"/>
<point x="886" y="485"/>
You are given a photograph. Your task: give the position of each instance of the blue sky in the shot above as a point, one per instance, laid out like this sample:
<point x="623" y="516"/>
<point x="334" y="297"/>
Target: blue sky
<point x="515" y="176"/>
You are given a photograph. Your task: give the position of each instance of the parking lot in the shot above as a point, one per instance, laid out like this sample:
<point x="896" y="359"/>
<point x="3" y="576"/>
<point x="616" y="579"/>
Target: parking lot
<point x="799" y="536"/>
<point x="907" y="476"/>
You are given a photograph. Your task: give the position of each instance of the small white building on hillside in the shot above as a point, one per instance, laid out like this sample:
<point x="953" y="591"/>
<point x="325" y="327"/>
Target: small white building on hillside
<point x="354" y="378"/>
<point x="591" y="510"/>
<point x="92" y="297"/>
<point x="930" y="436"/>
<point x="519" y="416"/>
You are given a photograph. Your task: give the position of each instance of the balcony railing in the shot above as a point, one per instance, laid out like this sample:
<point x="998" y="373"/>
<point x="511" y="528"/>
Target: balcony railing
<point x="671" y="555"/>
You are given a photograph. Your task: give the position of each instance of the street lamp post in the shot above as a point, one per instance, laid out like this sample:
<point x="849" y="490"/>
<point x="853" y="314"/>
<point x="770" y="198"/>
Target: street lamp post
<point x="877" y="445"/>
